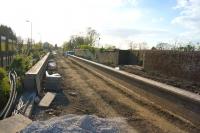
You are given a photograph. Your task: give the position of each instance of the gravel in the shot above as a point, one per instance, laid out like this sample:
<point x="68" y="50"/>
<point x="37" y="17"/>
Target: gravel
<point x="79" y="124"/>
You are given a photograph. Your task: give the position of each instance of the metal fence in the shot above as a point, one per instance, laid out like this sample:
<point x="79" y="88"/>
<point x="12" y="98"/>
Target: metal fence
<point x="7" y="51"/>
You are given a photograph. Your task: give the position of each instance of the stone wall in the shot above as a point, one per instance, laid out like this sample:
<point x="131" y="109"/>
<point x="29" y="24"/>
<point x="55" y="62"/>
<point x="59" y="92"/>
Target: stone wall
<point x="85" y="54"/>
<point x="105" y="57"/>
<point x="113" y="57"/>
<point x="185" y="65"/>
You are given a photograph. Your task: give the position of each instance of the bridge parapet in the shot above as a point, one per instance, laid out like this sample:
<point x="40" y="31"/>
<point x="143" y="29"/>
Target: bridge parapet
<point x="33" y="76"/>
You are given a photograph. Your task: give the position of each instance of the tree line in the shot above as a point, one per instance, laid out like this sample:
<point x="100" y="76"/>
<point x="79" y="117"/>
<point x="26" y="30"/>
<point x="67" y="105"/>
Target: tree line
<point x="82" y="41"/>
<point x="178" y="46"/>
<point x="175" y="46"/>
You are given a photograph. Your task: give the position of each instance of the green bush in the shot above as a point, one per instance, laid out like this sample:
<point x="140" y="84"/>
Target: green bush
<point x="90" y="48"/>
<point x="102" y="50"/>
<point x="4" y="87"/>
<point x="21" y="64"/>
<point x="2" y="73"/>
<point x="36" y="55"/>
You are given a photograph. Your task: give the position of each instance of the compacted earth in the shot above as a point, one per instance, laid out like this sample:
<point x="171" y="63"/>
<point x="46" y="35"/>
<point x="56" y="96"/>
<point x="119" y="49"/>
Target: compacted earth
<point x="83" y="93"/>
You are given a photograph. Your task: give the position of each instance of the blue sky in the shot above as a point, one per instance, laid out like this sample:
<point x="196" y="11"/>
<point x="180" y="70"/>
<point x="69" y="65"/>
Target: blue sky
<point x="118" y="21"/>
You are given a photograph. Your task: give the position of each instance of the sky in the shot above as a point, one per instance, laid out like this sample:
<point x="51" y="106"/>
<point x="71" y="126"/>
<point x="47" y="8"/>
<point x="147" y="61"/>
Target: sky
<point x="117" y="21"/>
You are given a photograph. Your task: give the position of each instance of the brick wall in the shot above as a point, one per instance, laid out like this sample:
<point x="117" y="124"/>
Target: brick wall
<point x="184" y="65"/>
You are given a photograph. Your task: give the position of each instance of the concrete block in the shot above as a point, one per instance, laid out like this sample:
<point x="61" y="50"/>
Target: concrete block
<point x="47" y="99"/>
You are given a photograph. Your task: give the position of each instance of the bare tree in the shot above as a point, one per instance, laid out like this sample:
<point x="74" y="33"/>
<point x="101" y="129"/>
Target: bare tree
<point x="142" y="46"/>
<point x="133" y="45"/>
<point x="176" y="44"/>
<point x="92" y="36"/>
<point x="163" y="46"/>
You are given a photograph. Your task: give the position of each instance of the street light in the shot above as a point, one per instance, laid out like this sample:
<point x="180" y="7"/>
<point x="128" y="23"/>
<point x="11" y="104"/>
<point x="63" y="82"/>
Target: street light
<point x="28" y="21"/>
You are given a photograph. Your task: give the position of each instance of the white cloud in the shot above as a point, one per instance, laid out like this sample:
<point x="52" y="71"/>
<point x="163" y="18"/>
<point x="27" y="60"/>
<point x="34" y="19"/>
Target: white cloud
<point x="157" y="20"/>
<point x="181" y="4"/>
<point x="189" y="18"/>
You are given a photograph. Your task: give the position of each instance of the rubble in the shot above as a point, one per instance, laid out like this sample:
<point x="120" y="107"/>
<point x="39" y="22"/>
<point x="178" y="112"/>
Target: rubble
<point x="78" y="124"/>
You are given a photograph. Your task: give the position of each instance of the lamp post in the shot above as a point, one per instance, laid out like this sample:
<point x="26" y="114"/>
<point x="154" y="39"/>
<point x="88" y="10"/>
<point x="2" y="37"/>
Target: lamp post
<point x="28" y="21"/>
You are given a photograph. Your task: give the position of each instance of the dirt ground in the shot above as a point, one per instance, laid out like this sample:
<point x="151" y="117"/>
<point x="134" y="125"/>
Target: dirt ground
<point x="180" y="83"/>
<point x="84" y="93"/>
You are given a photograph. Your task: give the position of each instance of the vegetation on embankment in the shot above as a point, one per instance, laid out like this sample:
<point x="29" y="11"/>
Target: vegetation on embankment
<point x="23" y="62"/>
<point x="4" y="87"/>
<point x="20" y="64"/>
<point x="26" y="55"/>
<point x="37" y="52"/>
